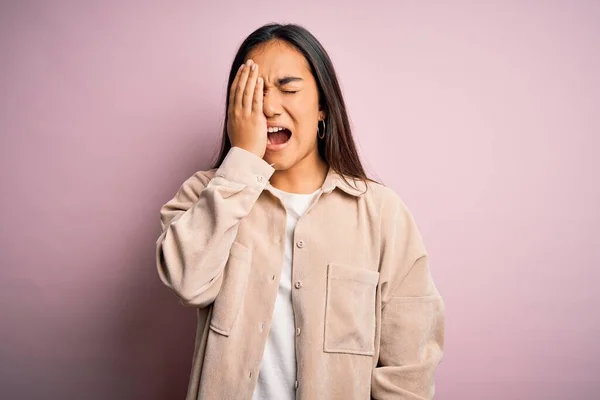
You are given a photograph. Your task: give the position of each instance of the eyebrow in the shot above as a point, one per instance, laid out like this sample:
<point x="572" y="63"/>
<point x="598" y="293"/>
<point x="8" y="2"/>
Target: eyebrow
<point x="288" y="79"/>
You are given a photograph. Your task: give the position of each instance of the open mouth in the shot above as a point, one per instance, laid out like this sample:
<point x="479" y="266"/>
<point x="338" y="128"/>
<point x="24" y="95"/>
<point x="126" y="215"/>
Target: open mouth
<point x="278" y="136"/>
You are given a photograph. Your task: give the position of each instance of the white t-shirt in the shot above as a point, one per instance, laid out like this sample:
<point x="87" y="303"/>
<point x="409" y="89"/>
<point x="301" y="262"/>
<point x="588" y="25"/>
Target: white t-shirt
<point x="277" y="376"/>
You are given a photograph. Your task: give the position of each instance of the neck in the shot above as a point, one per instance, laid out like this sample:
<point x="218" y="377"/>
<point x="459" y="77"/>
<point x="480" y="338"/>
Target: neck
<point x="306" y="176"/>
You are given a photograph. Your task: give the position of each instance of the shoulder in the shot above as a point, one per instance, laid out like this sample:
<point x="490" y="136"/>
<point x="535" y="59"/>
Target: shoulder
<point x="387" y="198"/>
<point x="395" y="217"/>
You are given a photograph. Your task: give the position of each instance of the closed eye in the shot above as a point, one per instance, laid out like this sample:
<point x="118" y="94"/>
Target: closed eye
<point x="283" y="91"/>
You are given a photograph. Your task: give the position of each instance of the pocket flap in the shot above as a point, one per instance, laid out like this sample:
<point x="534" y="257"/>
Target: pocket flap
<point x="338" y="271"/>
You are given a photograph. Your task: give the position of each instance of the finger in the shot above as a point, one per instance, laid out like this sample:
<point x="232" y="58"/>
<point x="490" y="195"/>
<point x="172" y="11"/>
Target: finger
<point x="249" y="90"/>
<point x="241" y="86"/>
<point x="234" y="84"/>
<point x="257" y="101"/>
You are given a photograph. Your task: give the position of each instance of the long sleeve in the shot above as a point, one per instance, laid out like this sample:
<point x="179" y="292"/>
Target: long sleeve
<point x="412" y="315"/>
<point x="200" y="224"/>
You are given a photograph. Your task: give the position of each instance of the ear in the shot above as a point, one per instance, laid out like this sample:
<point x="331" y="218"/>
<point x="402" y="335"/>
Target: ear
<point x="322" y="115"/>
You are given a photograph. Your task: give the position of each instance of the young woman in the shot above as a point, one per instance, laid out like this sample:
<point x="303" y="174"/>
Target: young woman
<point x="310" y="280"/>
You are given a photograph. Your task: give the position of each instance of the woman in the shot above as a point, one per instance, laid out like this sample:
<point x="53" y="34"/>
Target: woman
<point x="309" y="279"/>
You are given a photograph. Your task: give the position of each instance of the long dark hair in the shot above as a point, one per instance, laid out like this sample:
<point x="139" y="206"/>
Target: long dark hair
<point x="337" y="149"/>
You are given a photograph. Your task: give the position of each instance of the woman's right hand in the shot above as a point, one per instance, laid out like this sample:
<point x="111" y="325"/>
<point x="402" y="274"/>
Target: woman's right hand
<point x="246" y="121"/>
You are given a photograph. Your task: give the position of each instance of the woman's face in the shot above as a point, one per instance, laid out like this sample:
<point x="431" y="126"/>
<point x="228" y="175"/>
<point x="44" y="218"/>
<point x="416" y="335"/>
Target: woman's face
<point x="291" y="101"/>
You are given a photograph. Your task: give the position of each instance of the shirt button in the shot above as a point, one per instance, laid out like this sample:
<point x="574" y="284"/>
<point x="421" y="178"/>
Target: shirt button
<point x="262" y="326"/>
<point x="273" y="277"/>
<point x="297" y="331"/>
<point x="296" y="385"/>
<point x="260" y="178"/>
<point x="250" y="375"/>
<point x="298" y="284"/>
<point x="300" y="243"/>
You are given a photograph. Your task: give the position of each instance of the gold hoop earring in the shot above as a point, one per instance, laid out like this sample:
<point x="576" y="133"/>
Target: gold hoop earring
<point x="320" y="133"/>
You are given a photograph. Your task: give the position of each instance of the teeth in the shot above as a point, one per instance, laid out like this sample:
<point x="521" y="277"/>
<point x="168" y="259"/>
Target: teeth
<point x="274" y="129"/>
<point x="269" y="141"/>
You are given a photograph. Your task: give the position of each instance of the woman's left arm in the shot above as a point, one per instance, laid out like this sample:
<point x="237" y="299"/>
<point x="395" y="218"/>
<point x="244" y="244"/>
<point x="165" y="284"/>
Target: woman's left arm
<point x="412" y="315"/>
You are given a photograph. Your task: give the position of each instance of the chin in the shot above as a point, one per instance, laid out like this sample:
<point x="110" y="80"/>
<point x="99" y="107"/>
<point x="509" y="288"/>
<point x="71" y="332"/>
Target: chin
<point x="279" y="165"/>
<point x="279" y="161"/>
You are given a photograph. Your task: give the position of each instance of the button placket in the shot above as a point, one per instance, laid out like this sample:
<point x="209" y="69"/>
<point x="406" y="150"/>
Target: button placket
<point x="298" y="260"/>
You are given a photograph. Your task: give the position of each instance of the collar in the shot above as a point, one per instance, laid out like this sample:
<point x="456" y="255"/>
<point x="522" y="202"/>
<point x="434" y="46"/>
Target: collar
<point x="354" y="187"/>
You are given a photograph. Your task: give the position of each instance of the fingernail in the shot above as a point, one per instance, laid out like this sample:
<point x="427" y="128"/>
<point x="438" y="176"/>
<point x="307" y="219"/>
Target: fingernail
<point x="242" y="67"/>
<point x="253" y="67"/>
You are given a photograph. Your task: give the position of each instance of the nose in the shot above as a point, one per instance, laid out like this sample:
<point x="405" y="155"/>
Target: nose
<point x="271" y="104"/>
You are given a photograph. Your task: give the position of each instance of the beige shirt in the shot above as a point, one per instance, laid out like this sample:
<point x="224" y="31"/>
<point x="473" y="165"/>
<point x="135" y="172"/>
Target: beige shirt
<point x="369" y="319"/>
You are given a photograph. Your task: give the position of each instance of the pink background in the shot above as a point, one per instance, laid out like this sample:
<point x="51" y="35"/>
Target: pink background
<point x="483" y="116"/>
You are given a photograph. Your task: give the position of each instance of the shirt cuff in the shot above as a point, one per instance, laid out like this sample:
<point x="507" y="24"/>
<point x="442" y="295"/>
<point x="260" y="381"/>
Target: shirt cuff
<point x="245" y="167"/>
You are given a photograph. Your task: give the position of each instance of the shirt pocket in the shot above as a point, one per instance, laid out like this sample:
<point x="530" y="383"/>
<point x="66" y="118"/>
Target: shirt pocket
<point x="350" y="310"/>
<point x="233" y="289"/>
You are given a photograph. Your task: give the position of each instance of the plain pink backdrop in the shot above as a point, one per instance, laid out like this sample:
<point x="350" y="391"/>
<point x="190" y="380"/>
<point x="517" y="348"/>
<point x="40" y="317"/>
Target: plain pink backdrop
<point x="483" y="116"/>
